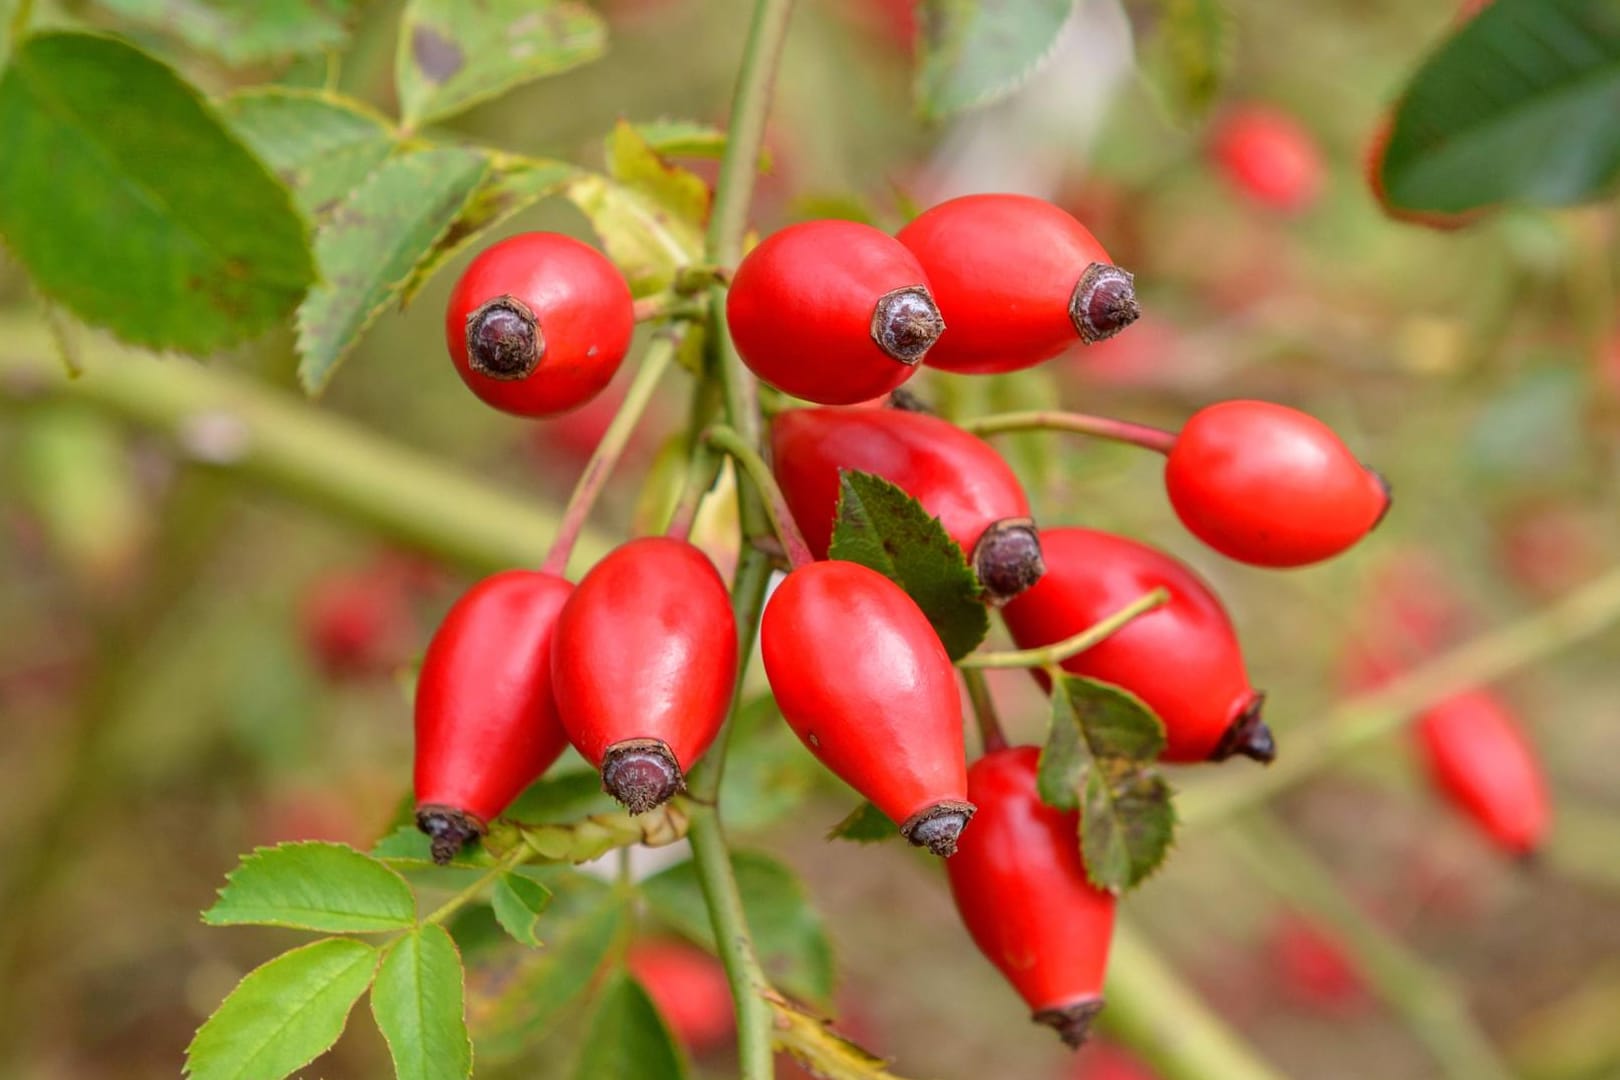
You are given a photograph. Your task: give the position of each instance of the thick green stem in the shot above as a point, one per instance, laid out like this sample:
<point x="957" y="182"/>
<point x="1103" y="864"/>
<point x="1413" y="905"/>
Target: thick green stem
<point x="1148" y="438"/>
<point x="1368" y="717"/>
<point x="1059" y="651"/>
<point x="1153" y="1012"/>
<point x="776" y="507"/>
<point x="1431" y="1007"/>
<point x="660" y="354"/>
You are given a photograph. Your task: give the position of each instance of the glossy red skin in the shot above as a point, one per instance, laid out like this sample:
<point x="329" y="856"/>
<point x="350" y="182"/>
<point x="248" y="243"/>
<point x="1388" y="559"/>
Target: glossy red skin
<point x="1480" y="760"/>
<point x="689" y="989"/>
<point x="584" y="310"/>
<point x="863" y="681"/>
<point x="800" y="310"/>
<point x="957" y="477"/>
<point x="1271" y="486"/>
<point x="1181" y="659"/>
<point x="1269" y="157"/>
<point x="1021" y="887"/>
<point x="1003" y="269"/>
<point x="486" y="721"/>
<point x="646" y="648"/>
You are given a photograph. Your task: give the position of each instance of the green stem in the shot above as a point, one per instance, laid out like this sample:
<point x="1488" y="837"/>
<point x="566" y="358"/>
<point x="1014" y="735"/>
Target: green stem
<point x="1423" y="997"/>
<point x="702" y="471"/>
<point x="659" y="356"/>
<point x="991" y="736"/>
<point x="520" y="854"/>
<point x="1151" y="1010"/>
<point x="1050" y="656"/>
<point x="1368" y="717"/>
<point x="782" y="523"/>
<point x="1148" y="438"/>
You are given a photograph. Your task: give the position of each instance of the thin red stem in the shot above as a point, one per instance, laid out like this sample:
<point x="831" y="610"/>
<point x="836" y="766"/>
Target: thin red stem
<point x="1102" y="427"/>
<point x="984" y="711"/>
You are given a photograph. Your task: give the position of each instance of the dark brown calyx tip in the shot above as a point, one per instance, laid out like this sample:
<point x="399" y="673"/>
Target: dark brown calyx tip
<point x="904" y="400"/>
<point x="937" y="827"/>
<point x="1389" y="497"/>
<point x="1008" y="558"/>
<point x="1104" y="303"/>
<point x="906" y="323"/>
<point x="1072" y="1022"/>
<point x="503" y="339"/>
<point x="1248" y="736"/>
<point x="642" y="774"/>
<point x="449" y="828"/>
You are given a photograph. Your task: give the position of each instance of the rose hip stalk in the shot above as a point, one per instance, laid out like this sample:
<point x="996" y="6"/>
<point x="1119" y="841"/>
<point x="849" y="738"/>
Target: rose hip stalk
<point x="1017" y="280"/>
<point x="486" y="722"/>
<point x="644" y="664"/>
<point x="955" y="476"/>
<point x="832" y="311"/>
<point x="1021" y="888"/>
<point x="1479" y="758"/>
<point x="1181" y="659"/>
<point x="862" y="679"/>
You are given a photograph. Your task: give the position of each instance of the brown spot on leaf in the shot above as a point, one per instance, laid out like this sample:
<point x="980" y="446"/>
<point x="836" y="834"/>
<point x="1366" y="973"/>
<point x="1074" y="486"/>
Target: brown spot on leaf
<point x="438" y="58"/>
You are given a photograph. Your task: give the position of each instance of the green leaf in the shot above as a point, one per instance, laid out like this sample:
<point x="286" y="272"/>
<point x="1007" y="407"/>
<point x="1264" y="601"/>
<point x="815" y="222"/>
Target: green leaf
<point x="453" y="55"/>
<point x="1519" y="104"/>
<point x="820" y="1049"/>
<point x="125" y="196"/>
<point x="1097" y="759"/>
<point x="1185" y="61"/>
<point x="648" y="213"/>
<point x="243" y="32"/>
<point x="314" y="886"/>
<point x="881" y="527"/>
<point x="690" y="139"/>
<point x="418" y="1003"/>
<point x="513" y="184"/>
<point x="974" y="52"/>
<point x="769" y="773"/>
<point x="627" y="1038"/>
<point x="561" y="797"/>
<point x="284" y="1014"/>
<point x="323" y="146"/>
<point x="370" y="245"/>
<point x="518" y="904"/>
<point x="866" y="824"/>
<point x="788" y="932"/>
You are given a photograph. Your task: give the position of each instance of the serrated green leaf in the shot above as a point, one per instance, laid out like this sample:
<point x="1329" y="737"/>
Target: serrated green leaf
<point x="788" y="932"/>
<point x="648" y="213"/>
<point x="418" y="1002"/>
<point x="321" y="145"/>
<point x="1127" y="823"/>
<point x="769" y="773"/>
<point x="284" y="1014"/>
<point x="808" y="1039"/>
<point x="1186" y="59"/>
<point x="865" y="824"/>
<point x="882" y="528"/>
<point x="518" y="904"/>
<point x="513" y="184"/>
<point x="453" y="55"/>
<point x="370" y="245"/>
<point x="314" y="886"/>
<point x="628" y="1040"/>
<point x="1519" y="104"/>
<point x="243" y="32"/>
<point x="95" y="205"/>
<point x="975" y="52"/>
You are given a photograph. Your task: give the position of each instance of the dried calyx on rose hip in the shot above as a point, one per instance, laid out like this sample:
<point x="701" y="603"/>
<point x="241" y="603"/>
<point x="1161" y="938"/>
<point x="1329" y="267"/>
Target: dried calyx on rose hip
<point x="644" y="664"/>
<point x="834" y="312"/>
<point x="1181" y="659"/>
<point x="1271" y="486"/>
<point x="538" y="324"/>
<point x="1018" y="280"/>
<point x="864" y="682"/>
<point x="1479" y="758"/>
<point x="486" y="721"/>
<point x="954" y="475"/>
<point x="1021" y="887"/>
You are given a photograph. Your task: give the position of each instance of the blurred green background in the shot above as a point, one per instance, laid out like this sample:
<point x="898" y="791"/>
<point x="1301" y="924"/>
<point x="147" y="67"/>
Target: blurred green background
<point x="178" y="684"/>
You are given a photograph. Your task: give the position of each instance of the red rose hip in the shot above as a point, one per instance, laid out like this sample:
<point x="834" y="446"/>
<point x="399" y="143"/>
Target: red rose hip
<point x="538" y="324"/>
<point x="1017" y="280"/>
<point x="486" y="722"/>
<point x="832" y="311"/>
<point x="864" y="682"/>
<point x="644" y="665"/>
<point x="1480" y="760"/>
<point x="1271" y="486"/>
<point x="1022" y="891"/>
<point x="1181" y="659"/>
<point x="1270" y="158"/>
<point x="954" y="475"/>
